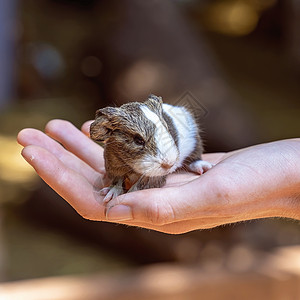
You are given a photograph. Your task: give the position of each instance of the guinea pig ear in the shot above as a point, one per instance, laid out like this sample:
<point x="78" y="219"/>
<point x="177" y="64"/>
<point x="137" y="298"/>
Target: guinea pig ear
<point x="107" y="111"/>
<point x="103" y="125"/>
<point x="154" y="98"/>
<point x="154" y="102"/>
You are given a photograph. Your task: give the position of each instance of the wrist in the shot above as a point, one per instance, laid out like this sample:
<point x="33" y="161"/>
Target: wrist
<point x="290" y="200"/>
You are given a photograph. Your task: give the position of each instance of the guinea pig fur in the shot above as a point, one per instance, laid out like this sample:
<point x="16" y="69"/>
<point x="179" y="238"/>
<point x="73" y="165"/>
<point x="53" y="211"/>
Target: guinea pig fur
<point x="146" y="141"/>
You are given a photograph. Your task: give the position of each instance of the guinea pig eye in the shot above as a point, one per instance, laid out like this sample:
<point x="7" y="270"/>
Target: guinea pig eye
<point x="139" y="140"/>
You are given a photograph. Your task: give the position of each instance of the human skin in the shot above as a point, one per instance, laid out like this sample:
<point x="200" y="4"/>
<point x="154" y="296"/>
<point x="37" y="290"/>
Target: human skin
<point x="261" y="181"/>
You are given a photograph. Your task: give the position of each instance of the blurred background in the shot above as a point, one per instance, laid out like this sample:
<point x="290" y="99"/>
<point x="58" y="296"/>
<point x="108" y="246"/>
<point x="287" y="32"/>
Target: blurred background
<point x="237" y="59"/>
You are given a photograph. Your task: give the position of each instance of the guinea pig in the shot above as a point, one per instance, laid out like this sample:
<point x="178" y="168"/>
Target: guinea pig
<point x="146" y="141"/>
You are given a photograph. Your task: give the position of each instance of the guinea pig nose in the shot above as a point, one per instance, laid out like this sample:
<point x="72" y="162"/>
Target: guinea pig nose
<point x="166" y="165"/>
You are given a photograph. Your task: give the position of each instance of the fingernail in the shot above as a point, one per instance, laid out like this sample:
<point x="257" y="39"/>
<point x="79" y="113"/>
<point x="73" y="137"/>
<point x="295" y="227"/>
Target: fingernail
<point x="28" y="158"/>
<point x="119" y="213"/>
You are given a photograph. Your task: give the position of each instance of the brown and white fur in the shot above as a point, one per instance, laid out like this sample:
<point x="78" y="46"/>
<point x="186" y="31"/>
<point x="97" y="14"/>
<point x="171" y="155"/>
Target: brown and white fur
<point x="144" y="142"/>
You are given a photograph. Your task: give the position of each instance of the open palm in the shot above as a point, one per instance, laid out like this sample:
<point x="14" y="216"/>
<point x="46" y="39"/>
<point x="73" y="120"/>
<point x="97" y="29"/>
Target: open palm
<point x="254" y="182"/>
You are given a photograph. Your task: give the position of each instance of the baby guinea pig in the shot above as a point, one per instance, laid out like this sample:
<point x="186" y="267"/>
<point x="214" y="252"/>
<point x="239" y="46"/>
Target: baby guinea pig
<point x="144" y="142"/>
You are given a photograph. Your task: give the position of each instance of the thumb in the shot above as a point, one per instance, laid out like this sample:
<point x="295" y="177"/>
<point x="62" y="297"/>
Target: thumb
<point x="159" y="206"/>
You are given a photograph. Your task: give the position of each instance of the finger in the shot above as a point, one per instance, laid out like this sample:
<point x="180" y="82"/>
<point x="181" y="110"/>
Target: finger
<point x="74" y="188"/>
<point x="85" y="128"/>
<point x="76" y="142"/>
<point x="31" y="136"/>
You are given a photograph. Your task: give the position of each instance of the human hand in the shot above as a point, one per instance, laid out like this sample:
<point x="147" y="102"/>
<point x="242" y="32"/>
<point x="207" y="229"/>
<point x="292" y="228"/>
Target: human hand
<point x="256" y="182"/>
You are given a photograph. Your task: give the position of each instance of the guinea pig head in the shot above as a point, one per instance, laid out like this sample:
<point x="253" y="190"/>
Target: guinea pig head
<point x="136" y="134"/>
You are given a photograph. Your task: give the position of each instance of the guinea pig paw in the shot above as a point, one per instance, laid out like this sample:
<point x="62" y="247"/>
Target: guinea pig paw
<point x="200" y="166"/>
<point x="104" y="191"/>
<point x="111" y="193"/>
